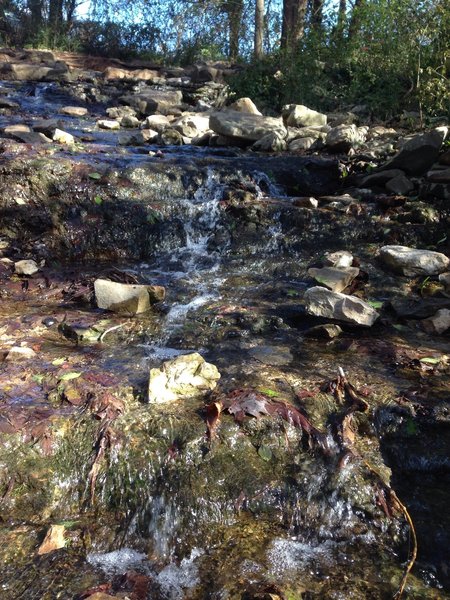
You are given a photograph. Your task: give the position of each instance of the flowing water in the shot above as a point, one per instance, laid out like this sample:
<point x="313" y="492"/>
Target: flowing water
<point x="259" y="512"/>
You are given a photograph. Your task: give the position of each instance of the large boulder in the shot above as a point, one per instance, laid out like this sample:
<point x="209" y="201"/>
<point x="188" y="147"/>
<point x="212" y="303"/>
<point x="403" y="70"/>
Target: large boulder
<point x="412" y="262"/>
<point x="126" y="298"/>
<point x="298" y="115"/>
<point x="321" y="302"/>
<point x="344" y="137"/>
<point x="244" y="126"/>
<point x="152" y="101"/>
<point x="419" y="153"/>
<point x="114" y="73"/>
<point x="187" y="376"/>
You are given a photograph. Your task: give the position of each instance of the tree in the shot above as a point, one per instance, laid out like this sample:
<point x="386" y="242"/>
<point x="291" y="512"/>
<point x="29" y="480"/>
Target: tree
<point x="259" y="29"/>
<point x="293" y="23"/>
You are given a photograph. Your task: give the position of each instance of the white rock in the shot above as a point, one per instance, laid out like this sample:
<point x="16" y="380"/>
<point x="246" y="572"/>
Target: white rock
<point x="63" y="137"/>
<point x="298" y="115"/>
<point x="334" y="278"/>
<point x="344" y="137"/>
<point x="412" y="262"/>
<point x="247" y="127"/>
<point x="26" y="267"/>
<point x="157" y="122"/>
<point x="438" y="323"/>
<point x="108" y="124"/>
<point x="245" y="105"/>
<point x="301" y="144"/>
<point x="20" y="352"/>
<point x="126" y="298"/>
<point x="321" y="302"/>
<point x="187" y="376"/>
<point x="341" y="258"/>
<point x="74" y="111"/>
<point x="191" y="125"/>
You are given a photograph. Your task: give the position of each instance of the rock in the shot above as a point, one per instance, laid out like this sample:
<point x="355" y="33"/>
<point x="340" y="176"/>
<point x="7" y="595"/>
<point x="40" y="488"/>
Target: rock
<point x="74" y="111"/>
<point x="328" y="331"/>
<point x="411" y="261"/>
<point x="111" y="73"/>
<point x="47" y="126"/>
<point x="126" y="298"/>
<point x="316" y="133"/>
<point x="63" y="137"/>
<point x="272" y="142"/>
<point x="439" y="176"/>
<point x="381" y="177"/>
<point x="298" y="115"/>
<point x="26" y="267"/>
<point x="348" y="118"/>
<point x="54" y="540"/>
<point x="345" y="137"/>
<point x="400" y="185"/>
<point x="108" y="124"/>
<point x="30" y="137"/>
<point x="305" y="202"/>
<point x="444" y="278"/>
<point x="117" y="112"/>
<point x="30" y="72"/>
<point x="380" y="132"/>
<point x="272" y="355"/>
<point x="321" y="302"/>
<point x="334" y="278"/>
<point x="245" y="105"/>
<point x="129" y="121"/>
<point x="103" y="596"/>
<point x="439" y="323"/>
<point x="17" y="128"/>
<point x="191" y="125"/>
<point x="203" y="74"/>
<point x="132" y="139"/>
<point x="341" y="258"/>
<point x="19" y="353"/>
<point x="245" y="126"/>
<point x="445" y="158"/>
<point x="419" y="153"/>
<point x="414" y="308"/>
<point x="6" y="103"/>
<point x="157" y="122"/>
<point x="187" y="376"/>
<point x="151" y="101"/>
<point x="170" y="137"/>
<point x="301" y="144"/>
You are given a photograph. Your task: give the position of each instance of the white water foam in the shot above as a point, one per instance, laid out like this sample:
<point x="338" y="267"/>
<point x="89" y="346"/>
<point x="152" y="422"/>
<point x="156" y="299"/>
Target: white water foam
<point x="117" y="561"/>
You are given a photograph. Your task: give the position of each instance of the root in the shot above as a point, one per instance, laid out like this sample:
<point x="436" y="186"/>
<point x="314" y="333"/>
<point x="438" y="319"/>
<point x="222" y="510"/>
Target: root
<point x="413" y="553"/>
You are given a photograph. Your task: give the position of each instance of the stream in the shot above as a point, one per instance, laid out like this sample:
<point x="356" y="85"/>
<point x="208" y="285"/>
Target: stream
<point x="151" y="505"/>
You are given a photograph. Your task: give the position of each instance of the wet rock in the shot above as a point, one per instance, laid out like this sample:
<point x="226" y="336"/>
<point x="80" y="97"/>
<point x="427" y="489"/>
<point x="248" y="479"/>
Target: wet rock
<point x="439" y="176"/>
<point x="328" y="331"/>
<point x="26" y="267"/>
<point x="439" y="323"/>
<point x="305" y="202"/>
<point x="272" y="355"/>
<point x="170" y="137"/>
<point x="321" y="302"/>
<point x="54" y="540"/>
<point x="108" y="124"/>
<point x="187" y="376"/>
<point x="411" y="261"/>
<point x="74" y="111"/>
<point x="400" y="185"/>
<point x="31" y="137"/>
<point x="334" y="278"/>
<point x="245" y="105"/>
<point x="341" y="258"/>
<point x="47" y="126"/>
<point x="298" y="115"/>
<point x="63" y="137"/>
<point x="126" y="298"/>
<point x="20" y="352"/>
<point x="345" y="137"/>
<point x="414" y="308"/>
<point x="245" y="126"/>
<point x="138" y="138"/>
<point x="151" y="101"/>
<point x="444" y="278"/>
<point x="7" y="103"/>
<point x="419" y="153"/>
<point x="118" y="112"/>
<point x="157" y="122"/>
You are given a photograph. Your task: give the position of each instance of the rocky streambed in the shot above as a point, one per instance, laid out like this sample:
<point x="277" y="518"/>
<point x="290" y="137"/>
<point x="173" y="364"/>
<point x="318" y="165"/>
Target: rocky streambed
<point x="309" y="453"/>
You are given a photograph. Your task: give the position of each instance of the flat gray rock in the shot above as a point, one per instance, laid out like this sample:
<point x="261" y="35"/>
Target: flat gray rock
<point x="412" y="262"/>
<point x="334" y="278"/>
<point x="321" y="302"/>
<point x="245" y="126"/>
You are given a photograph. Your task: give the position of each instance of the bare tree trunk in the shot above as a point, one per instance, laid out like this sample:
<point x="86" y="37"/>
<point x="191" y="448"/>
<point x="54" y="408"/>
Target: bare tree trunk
<point x="259" y="29"/>
<point x="294" y="12"/>
<point x="234" y="10"/>
<point x="317" y="14"/>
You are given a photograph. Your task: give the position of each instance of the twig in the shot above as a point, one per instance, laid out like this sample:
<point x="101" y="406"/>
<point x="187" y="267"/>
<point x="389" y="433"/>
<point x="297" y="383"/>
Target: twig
<point x="413" y="556"/>
<point x="101" y="338"/>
